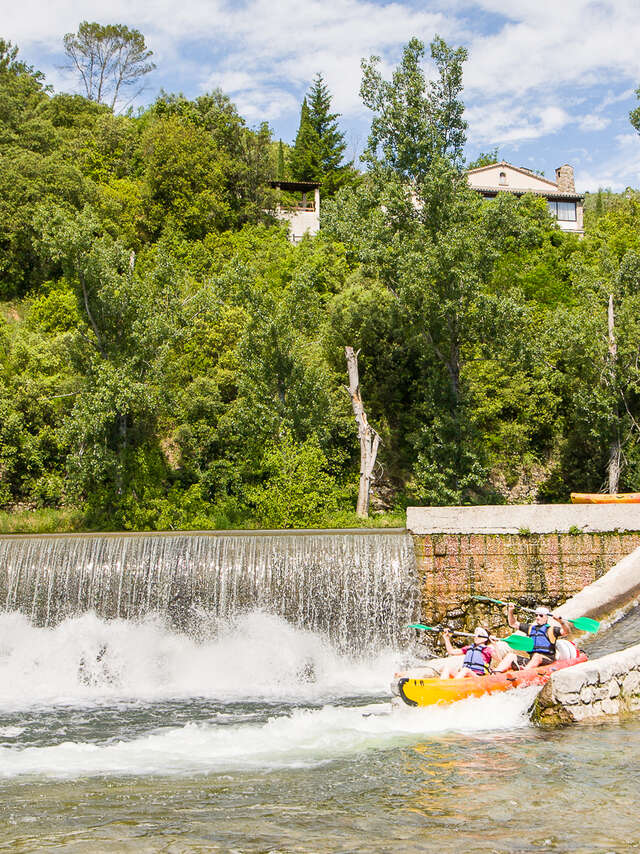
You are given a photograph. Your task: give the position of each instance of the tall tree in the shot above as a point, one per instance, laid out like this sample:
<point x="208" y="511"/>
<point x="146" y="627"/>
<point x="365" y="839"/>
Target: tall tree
<point x="280" y="168"/>
<point x="107" y="58"/>
<point x="306" y="155"/>
<point x="415" y="122"/>
<point x="335" y="173"/>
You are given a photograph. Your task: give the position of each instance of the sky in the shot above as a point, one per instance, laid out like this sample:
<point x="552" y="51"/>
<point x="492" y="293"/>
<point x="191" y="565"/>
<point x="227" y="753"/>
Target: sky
<point x="547" y="81"/>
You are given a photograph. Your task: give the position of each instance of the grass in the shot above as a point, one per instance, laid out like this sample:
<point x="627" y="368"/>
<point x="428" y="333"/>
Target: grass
<point x="45" y="521"/>
<point x="72" y="521"/>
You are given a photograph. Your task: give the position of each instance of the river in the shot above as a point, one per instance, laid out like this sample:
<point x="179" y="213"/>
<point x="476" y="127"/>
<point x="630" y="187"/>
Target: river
<point x="126" y="735"/>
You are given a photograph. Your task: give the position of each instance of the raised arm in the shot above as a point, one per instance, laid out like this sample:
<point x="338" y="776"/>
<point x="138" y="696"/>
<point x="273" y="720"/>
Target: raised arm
<point x="451" y="650"/>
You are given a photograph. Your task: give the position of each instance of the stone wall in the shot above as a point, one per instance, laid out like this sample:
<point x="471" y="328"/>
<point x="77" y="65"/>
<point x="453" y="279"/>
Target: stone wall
<point x="526" y="568"/>
<point x="602" y="687"/>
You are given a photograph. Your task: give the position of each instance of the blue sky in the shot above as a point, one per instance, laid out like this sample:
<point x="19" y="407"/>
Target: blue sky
<point x="547" y="81"/>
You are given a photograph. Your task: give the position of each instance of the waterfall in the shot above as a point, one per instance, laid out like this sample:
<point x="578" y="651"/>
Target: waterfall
<point x="357" y="587"/>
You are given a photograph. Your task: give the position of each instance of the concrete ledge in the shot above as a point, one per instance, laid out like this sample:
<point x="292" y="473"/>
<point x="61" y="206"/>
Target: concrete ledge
<point x="529" y="518"/>
<point x="607" y="686"/>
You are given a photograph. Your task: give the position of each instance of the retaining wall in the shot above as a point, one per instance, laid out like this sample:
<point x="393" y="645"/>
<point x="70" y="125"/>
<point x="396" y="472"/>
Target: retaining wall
<point x="526" y="554"/>
<point x="605" y="686"/>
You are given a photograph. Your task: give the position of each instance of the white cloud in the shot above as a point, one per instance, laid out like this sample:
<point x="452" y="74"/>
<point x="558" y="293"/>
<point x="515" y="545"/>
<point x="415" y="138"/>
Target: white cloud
<point x="594" y="122"/>
<point x="536" y="75"/>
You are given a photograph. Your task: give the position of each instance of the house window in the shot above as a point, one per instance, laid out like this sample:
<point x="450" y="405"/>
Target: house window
<point x="502" y="179"/>
<point x="565" y="211"/>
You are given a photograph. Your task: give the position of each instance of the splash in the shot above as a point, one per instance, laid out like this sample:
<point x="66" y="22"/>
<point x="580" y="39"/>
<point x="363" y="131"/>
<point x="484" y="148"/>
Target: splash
<point x="305" y="738"/>
<point x="252" y="656"/>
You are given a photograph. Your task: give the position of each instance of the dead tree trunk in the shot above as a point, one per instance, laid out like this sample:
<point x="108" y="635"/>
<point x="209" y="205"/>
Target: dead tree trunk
<point x="615" y="448"/>
<point x="369" y="438"/>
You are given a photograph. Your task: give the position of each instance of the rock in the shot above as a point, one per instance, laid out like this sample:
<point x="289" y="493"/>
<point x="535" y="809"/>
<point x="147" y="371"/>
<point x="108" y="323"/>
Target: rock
<point x="586" y="694"/>
<point x="610" y="707"/>
<point x="614" y="688"/>
<point x="631" y="684"/>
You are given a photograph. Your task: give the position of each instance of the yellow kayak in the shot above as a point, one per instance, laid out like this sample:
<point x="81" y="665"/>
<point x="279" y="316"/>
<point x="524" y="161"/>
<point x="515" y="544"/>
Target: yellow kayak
<point x="430" y="691"/>
<point x="598" y="498"/>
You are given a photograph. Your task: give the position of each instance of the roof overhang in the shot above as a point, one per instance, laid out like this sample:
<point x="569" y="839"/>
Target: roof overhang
<point x="295" y="186"/>
<point x="545" y="194"/>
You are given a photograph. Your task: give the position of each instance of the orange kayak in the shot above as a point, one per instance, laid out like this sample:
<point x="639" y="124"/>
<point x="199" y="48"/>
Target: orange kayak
<point x="598" y="498"/>
<point x="428" y="692"/>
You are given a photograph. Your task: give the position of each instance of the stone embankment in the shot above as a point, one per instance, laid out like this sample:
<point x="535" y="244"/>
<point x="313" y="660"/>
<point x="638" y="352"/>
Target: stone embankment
<point x="604" y="686"/>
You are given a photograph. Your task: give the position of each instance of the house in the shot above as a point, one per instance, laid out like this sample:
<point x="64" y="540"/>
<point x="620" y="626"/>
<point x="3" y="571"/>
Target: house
<point x="562" y="200"/>
<point x="302" y="214"/>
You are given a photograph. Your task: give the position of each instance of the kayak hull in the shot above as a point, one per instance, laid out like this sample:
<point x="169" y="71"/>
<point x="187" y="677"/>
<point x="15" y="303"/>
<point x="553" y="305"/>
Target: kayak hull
<point x="433" y="691"/>
<point x="597" y="498"/>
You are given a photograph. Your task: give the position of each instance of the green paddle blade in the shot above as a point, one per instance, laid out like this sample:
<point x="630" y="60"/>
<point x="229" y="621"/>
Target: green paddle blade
<point x="424" y="628"/>
<point x="585" y="624"/>
<point x="522" y="643"/>
<point x="489" y="599"/>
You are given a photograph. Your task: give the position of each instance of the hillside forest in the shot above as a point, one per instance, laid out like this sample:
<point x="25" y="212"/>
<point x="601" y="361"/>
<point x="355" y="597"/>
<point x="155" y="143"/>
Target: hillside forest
<point x="169" y="360"/>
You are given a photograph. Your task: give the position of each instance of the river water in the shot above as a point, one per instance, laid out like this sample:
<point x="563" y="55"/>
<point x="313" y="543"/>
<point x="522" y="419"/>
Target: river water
<point x="259" y="736"/>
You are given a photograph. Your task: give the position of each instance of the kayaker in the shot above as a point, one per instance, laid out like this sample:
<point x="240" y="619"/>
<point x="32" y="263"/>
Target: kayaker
<point x="544" y="635"/>
<point x="477" y="656"/>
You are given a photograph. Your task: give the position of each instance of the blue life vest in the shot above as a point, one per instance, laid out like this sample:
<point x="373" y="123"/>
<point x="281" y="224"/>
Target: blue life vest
<point x="475" y="660"/>
<point x="542" y="643"/>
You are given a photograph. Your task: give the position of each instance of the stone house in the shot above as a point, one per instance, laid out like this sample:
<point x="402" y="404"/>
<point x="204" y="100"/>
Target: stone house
<point x="562" y="200"/>
<point x="298" y="209"/>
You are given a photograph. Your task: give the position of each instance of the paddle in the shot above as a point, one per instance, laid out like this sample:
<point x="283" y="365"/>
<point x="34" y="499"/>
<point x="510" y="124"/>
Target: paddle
<point x="583" y="624"/>
<point x="521" y="643"/>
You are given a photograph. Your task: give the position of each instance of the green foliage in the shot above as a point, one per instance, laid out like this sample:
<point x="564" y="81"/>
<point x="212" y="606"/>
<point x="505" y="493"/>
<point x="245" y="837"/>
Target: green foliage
<point x="305" y="159"/>
<point x="415" y="123"/>
<point x="485" y="158"/>
<point x="168" y="360"/>
<point x="300" y="490"/>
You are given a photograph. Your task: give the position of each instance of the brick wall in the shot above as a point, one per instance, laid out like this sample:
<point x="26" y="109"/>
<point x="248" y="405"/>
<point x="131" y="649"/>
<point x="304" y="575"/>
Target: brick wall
<point x="526" y="568"/>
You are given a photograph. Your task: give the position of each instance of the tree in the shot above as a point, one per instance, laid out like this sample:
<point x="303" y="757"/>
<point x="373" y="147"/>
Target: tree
<point x="415" y="122"/>
<point x="107" y="58"/>
<point x="306" y="155"/>
<point x="334" y="173"/>
<point x="280" y="170"/>
<point x="369" y="438"/>
<point x="485" y="158"/>
<point x="634" y="115"/>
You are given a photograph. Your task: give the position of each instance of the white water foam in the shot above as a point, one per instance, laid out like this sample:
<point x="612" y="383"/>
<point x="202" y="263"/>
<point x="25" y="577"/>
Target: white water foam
<point x="256" y="656"/>
<point x="303" y="739"/>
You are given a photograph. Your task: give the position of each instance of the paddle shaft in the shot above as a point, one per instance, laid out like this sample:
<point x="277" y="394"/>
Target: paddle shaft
<point x="585" y="624"/>
<point x="521" y="643"/>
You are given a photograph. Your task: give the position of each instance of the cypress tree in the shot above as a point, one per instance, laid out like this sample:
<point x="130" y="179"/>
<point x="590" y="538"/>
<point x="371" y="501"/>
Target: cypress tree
<point x="306" y="156"/>
<point x="280" y="170"/>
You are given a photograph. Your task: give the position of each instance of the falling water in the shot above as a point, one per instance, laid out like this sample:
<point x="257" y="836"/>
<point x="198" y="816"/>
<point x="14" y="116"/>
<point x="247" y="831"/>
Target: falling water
<point x="357" y="587"/>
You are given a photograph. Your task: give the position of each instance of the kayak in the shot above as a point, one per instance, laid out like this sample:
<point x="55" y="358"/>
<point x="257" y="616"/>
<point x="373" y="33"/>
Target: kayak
<point x="601" y="498"/>
<point x="433" y="690"/>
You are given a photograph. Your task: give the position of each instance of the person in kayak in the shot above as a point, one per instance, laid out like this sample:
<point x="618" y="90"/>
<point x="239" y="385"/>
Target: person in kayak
<point x="477" y="656"/>
<point x="544" y="636"/>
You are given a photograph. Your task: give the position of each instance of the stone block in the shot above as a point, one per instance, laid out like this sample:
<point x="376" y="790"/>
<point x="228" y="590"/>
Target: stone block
<point x="614" y="688"/>
<point x="631" y="684"/>
<point x="600" y="692"/>
<point x="570" y="699"/>
<point x="610" y="706"/>
<point x="586" y="694"/>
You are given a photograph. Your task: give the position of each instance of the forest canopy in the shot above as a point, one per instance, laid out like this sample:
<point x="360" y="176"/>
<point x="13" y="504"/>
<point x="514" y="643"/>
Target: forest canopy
<point x="169" y="360"/>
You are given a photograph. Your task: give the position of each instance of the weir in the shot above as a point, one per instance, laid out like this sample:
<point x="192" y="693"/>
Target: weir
<point x="358" y="587"/>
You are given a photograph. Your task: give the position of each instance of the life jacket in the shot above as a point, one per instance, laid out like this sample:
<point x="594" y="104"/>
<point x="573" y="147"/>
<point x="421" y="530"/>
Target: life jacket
<point x="544" y="639"/>
<point x="475" y="660"/>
